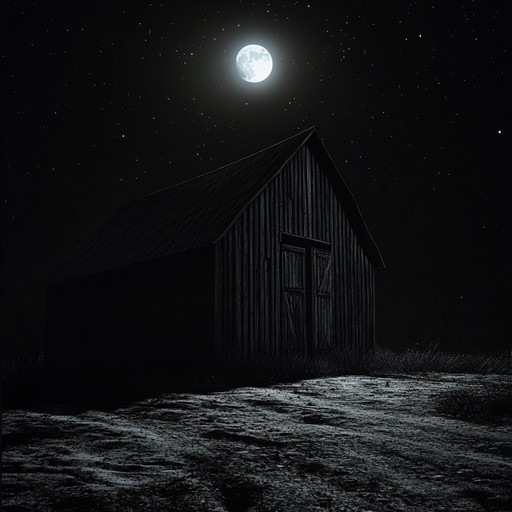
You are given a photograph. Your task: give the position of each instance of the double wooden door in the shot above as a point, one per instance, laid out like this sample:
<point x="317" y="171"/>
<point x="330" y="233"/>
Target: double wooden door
<point x="306" y="292"/>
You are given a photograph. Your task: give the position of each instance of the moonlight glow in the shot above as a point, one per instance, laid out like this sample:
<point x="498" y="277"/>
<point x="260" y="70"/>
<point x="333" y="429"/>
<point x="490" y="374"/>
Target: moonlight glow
<point x="254" y="63"/>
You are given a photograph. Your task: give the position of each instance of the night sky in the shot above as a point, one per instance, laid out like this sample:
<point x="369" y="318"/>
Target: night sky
<point x="106" y="102"/>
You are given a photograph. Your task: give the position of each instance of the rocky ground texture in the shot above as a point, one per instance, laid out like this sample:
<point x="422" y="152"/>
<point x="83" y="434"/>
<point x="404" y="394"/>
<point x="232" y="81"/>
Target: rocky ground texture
<point x="353" y="443"/>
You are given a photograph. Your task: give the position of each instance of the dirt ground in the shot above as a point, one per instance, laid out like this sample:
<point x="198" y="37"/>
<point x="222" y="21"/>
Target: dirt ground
<point x="351" y="443"/>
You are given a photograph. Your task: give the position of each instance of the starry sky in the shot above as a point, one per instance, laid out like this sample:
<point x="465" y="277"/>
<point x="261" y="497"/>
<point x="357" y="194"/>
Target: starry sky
<point x="103" y="102"/>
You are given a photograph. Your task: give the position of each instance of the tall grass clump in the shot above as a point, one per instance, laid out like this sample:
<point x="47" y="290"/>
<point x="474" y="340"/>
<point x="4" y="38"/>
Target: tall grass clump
<point x="294" y="366"/>
<point x="431" y="358"/>
<point x="491" y="403"/>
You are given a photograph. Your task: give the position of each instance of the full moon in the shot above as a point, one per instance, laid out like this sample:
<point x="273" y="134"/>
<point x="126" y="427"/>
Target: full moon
<point x="254" y="63"/>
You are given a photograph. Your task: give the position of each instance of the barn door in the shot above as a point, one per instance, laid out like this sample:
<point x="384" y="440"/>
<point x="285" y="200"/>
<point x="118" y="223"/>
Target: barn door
<point x="293" y="296"/>
<point x="322" y="272"/>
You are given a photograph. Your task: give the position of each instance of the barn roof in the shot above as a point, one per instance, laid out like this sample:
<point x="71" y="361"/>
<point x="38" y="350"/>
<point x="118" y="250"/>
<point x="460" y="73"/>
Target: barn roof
<point x="197" y="212"/>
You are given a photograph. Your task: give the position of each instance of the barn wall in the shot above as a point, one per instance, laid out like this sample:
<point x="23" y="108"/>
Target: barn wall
<point x="154" y="314"/>
<point x="300" y="201"/>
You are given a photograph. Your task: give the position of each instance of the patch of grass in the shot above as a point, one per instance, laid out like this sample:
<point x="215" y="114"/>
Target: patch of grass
<point x="239" y="496"/>
<point x="432" y="359"/>
<point x="486" y="404"/>
<point x="295" y="366"/>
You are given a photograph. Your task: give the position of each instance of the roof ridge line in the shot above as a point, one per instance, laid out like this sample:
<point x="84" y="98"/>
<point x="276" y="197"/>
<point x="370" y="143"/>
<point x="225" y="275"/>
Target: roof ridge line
<point x="310" y="129"/>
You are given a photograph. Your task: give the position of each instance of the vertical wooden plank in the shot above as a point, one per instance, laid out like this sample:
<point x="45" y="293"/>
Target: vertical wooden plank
<point x="240" y="303"/>
<point x="289" y="193"/>
<point x="341" y="260"/>
<point x="280" y="226"/>
<point x="256" y="242"/>
<point x="364" y="345"/>
<point x="274" y="223"/>
<point x="351" y="288"/>
<point x="227" y="328"/>
<point x="319" y="201"/>
<point x="303" y="171"/>
<point x="265" y="262"/>
<point x="235" y="326"/>
<point x="223" y="295"/>
<point x="228" y="334"/>
<point x="270" y="264"/>
<point x="325" y="208"/>
<point x="296" y="194"/>
<point x="234" y="323"/>
<point x="314" y="193"/>
<point x="276" y="230"/>
<point x="373" y="320"/>
<point x="344" y="278"/>
<point x="334" y="236"/>
<point x="320" y="205"/>
<point x="364" y="306"/>
<point x="259" y="249"/>
<point x="255" y="272"/>
<point x="226" y="286"/>
<point x="328" y="210"/>
<point x="292" y="171"/>
<point x="360" y="298"/>
<point x="247" y="311"/>
<point x="253" y="226"/>
<point x="368" y="304"/>
<point x="309" y="194"/>
<point x="289" y="226"/>
<point x="315" y="199"/>
<point x="291" y="205"/>
<point x="369" y="313"/>
<point x="299" y="212"/>
<point x="217" y="296"/>
<point x="357" y="273"/>
<point x="357" y="308"/>
<point x="353" y="292"/>
<point x="271" y="209"/>
<point x="300" y="193"/>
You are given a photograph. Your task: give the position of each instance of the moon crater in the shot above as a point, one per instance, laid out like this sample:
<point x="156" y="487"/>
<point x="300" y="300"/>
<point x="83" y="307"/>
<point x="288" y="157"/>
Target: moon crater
<point x="254" y="63"/>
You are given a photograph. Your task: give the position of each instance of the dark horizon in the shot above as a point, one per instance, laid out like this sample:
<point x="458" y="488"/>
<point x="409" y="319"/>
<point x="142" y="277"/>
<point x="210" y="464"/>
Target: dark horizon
<point x="106" y="103"/>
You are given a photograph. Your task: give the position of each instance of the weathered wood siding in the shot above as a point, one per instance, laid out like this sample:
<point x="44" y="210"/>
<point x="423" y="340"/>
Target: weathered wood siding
<point x="249" y="296"/>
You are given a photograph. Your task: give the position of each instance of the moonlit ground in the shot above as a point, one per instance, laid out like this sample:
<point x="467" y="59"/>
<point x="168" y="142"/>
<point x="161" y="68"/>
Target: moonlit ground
<point x="344" y="444"/>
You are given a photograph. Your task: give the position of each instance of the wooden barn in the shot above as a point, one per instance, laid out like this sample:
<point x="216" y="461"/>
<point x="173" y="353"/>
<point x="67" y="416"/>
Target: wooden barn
<point x="266" y="256"/>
